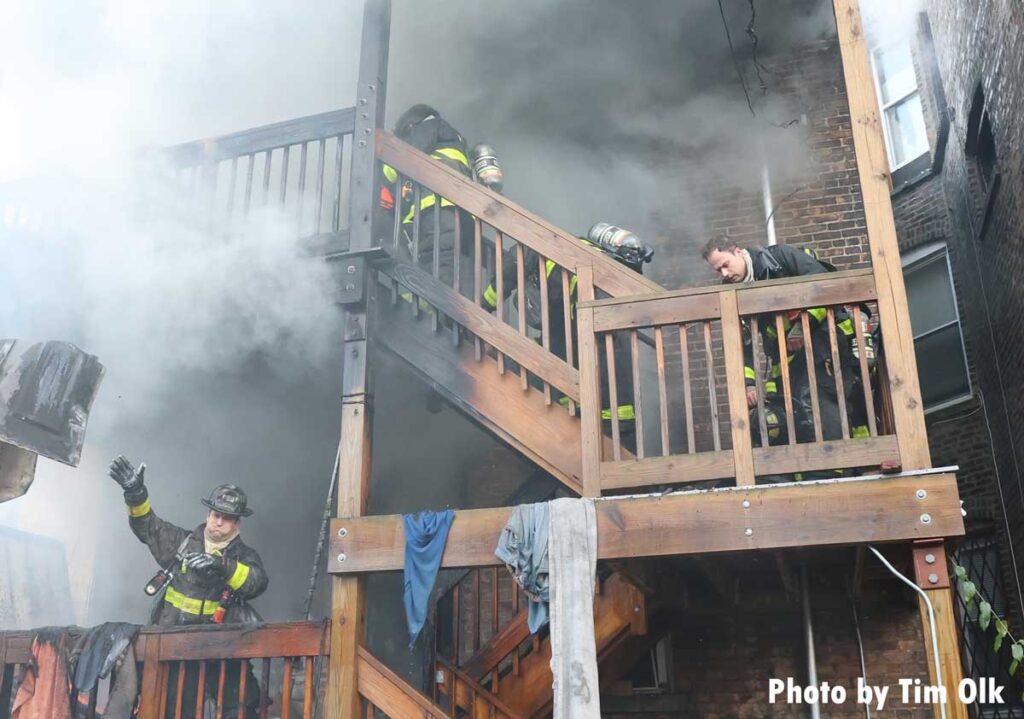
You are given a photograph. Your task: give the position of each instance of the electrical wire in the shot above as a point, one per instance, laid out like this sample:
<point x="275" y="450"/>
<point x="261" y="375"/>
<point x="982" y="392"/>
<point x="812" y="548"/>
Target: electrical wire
<point x="735" y="61"/>
<point x="753" y="47"/>
<point x="860" y="646"/>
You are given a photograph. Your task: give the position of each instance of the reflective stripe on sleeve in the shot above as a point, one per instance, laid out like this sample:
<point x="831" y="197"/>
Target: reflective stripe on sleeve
<point x="390" y="173"/>
<point x="139" y="510"/>
<point x="238" y="577"/>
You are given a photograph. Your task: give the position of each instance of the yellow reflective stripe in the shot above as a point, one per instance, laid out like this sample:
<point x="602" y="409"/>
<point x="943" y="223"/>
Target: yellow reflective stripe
<point x="625" y="412"/>
<point x="491" y="296"/>
<point x="190" y="605"/>
<point x="238" y="577"/>
<point x="139" y="510"/>
<point x="390" y="173"/>
<point x="860" y="431"/>
<point x="452" y="154"/>
<point x="818" y="313"/>
<point x="572" y="284"/>
<point x="749" y="373"/>
<point x="426" y="202"/>
<point x="770" y="386"/>
<point x="549" y="266"/>
<point x="846" y="326"/>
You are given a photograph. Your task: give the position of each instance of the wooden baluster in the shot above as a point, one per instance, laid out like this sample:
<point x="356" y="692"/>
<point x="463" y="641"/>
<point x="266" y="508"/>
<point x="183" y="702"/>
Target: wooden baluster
<point x="180" y="690"/>
<point x="457" y="269"/>
<point x="201" y="687"/>
<point x="499" y="283"/>
<point x="545" y="320"/>
<point x="524" y="379"/>
<point x="684" y="350"/>
<point x="243" y="675"/>
<point x="478" y="287"/>
<point x="284" y="175"/>
<point x="710" y="358"/>
<point x="267" y="166"/>
<point x="300" y="204"/>
<point x="247" y="202"/>
<point x="435" y="257"/>
<point x="756" y="349"/>
<point x="265" y="688"/>
<point x="476" y="609"/>
<point x="638" y="406"/>
<point x="286" y="689"/>
<point x="369" y="709"/>
<point x="307" y="699"/>
<point x="613" y="397"/>
<point x="164" y="678"/>
<point x="787" y="386"/>
<point x="339" y="156"/>
<point x="321" y="158"/>
<point x="415" y="251"/>
<point x="837" y="372"/>
<point x="220" y="688"/>
<point x="396" y="229"/>
<point x="567" y="319"/>
<point x="149" y="707"/>
<point x="659" y="351"/>
<point x="812" y="375"/>
<point x="591" y="432"/>
<point x="865" y="374"/>
<point x="494" y="601"/>
<point x="456" y="622"/>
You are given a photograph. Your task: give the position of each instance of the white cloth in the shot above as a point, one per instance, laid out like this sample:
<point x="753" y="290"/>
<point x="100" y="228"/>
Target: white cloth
<point x="750" y="266"/>
<point x="217" y="547"/>
<point x="572" y="565"/>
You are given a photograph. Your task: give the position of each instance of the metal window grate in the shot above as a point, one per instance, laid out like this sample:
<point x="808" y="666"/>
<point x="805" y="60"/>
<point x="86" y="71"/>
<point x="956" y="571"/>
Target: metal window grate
<point x="979" y="555"/>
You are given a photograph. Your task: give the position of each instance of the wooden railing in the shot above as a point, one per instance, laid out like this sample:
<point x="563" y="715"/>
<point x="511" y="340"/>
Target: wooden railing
<point x="491" y="247"/>
<point x="384" y="694"/>
<point x="467" y="695"/>
<point x="703" y="341"/>
<point x="270" y="670"/>
<point x="298" y="168"/>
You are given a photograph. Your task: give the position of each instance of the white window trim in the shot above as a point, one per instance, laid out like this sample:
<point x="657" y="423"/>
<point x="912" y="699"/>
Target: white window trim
<point x="920" y="256"/>
<point x="883" y="106"/>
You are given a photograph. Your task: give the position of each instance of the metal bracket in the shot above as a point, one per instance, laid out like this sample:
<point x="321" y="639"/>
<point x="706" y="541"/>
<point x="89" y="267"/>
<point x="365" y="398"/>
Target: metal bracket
<point x="349" y="271"/>
<point x="930" y="568"/>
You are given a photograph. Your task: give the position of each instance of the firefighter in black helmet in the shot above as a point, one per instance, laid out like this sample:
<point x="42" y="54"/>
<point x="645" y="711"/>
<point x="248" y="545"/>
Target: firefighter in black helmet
<point x="423" y="127"/>
<point x="208" y="574"/>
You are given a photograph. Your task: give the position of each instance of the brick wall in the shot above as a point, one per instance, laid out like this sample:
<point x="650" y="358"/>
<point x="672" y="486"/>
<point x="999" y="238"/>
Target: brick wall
<point x="978" y="44"/>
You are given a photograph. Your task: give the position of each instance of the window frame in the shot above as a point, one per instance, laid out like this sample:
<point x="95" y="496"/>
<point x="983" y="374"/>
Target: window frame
<point x="885" y="106"/>
<point x="917" y="258"/>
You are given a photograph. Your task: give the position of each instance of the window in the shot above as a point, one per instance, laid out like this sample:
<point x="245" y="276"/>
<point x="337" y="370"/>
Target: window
<point x="980" y="149"/>
<point x="906" y="137"/>
<point x="935" y="320"/>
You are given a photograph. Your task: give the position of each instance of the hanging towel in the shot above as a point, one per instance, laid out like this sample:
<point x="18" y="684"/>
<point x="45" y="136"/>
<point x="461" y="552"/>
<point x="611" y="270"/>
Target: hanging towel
<point x="573" y="563"/>
<point x="523" y="547"/>
<point x="425" y="535"/>
<point x="45" y="689"/>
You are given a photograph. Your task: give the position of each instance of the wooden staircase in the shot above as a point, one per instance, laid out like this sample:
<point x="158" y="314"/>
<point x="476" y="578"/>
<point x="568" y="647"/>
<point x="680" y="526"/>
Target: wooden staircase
<point x="513" y="665"/>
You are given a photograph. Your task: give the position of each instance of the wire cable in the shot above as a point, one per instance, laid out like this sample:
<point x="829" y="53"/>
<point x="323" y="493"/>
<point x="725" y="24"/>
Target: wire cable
<point x="735" y="61"/>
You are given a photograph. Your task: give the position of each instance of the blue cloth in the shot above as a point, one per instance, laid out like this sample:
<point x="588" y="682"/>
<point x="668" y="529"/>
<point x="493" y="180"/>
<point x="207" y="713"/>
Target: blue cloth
<point x="426" y="533"/>
<point x="523" y="547"/>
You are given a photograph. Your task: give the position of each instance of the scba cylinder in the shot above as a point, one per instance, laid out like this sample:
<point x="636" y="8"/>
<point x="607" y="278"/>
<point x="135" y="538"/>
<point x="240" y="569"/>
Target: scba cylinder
<point x="486" y="167"/>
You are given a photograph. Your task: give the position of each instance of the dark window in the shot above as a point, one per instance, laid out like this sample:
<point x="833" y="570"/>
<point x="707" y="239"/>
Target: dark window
<point x="980" y="149"/>
<point x="935" y="320"/>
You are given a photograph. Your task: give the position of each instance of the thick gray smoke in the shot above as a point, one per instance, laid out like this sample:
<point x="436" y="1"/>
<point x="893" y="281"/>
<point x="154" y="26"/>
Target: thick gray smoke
<point x="222" y="351"/>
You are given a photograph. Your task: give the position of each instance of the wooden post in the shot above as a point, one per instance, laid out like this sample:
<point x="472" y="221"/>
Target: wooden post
<point x="348" y="594"/>
<point x="151" y="696"/>
<point x="873" y="171"/>
<point x="739" y="416"/>
<point x="932" y="574"/>
<point x="590" y="386"/>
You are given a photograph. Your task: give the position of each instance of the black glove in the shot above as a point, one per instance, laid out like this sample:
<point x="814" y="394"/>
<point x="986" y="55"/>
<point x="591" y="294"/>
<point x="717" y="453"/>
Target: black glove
<point x="131" y="481"/>
<point x="210" y="569"/>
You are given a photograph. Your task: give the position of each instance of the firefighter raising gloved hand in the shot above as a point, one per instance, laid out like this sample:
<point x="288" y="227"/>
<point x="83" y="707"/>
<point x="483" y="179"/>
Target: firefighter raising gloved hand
<point x="207" y="575"/>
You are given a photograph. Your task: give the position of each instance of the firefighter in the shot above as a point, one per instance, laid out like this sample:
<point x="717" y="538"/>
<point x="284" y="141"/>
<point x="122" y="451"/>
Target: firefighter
<point x="213" y="575"/>
<point x="738" y="265"/>
<point x="423" y="127"/>
<point x="627" y="249"/>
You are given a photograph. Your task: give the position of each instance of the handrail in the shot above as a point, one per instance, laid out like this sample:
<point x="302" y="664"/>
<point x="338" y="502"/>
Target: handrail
<point x="506" y="216"/>
<point x="477" y="691"/>
<point x="261" y="139"/>
<point x="385" y="690"/>
<point x="503" y="338"/>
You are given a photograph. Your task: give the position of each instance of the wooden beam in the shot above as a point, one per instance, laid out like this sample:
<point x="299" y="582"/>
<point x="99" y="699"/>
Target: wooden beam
<point x="739" y="416"/>
<point x="590" y="388"/>
<point x="873" y="171"/>
<point x="826" y="512"/>
<point x="390" y="693"/>
<point x="931" y="573"/>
